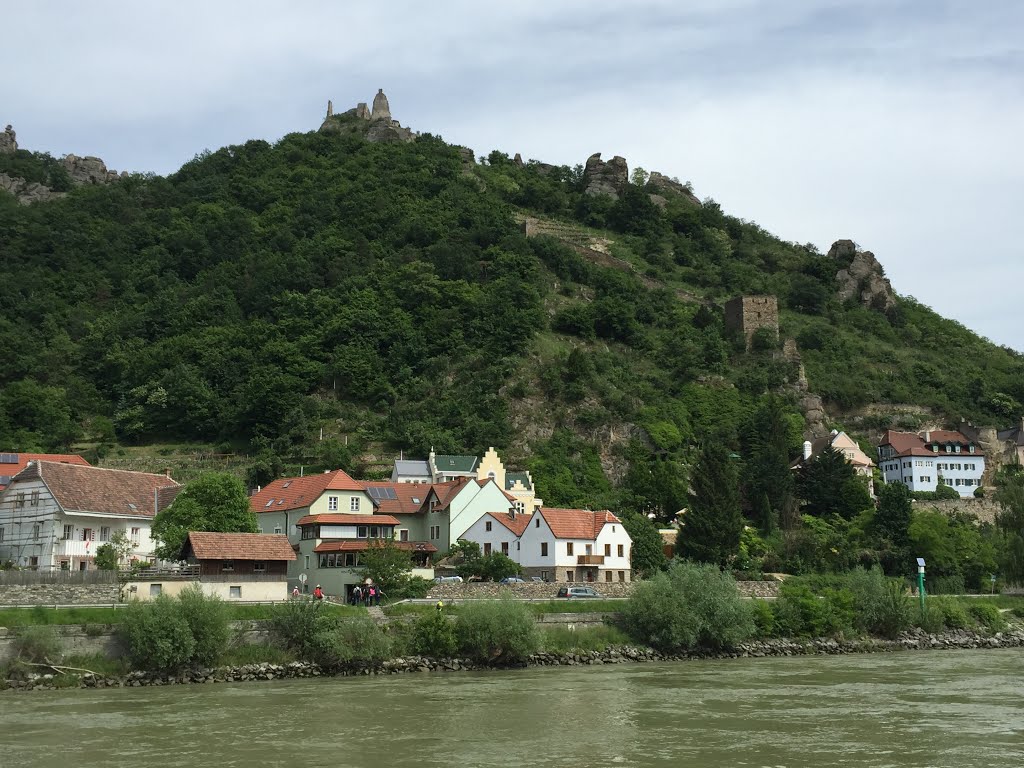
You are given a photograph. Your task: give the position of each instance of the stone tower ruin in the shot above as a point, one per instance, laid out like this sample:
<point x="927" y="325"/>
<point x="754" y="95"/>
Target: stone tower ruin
<point x="748" y="314"/>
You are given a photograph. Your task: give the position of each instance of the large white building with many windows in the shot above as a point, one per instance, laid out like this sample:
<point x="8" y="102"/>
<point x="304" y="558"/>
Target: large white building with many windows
<point x="54" y="515"/>
<point x="923" y="462"/>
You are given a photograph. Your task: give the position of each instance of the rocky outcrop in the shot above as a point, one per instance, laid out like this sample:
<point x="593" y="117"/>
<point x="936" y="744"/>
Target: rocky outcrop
<point x="88" y="170"/>
<point x="27" y="192"/>
<point x="663" y="186"/>
<point x="604" y="178"/>
<point x="375" y="125"/>
<point x="861" y="277"/>
<point x="8" y="141"/>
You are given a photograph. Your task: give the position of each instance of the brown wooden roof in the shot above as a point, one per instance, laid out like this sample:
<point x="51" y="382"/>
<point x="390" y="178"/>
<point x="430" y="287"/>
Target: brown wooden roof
<point x="101" y="490"/>
<point x="206" y="545"/>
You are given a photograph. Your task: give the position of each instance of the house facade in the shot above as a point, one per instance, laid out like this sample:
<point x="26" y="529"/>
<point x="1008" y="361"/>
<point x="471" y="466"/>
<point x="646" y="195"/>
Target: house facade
<point x="924" y="461"/>
<point x="575" y="545"/>
<point x="54" y="515"/>
<point x="238" y="567"/>
<point x="862" y="464"/>
<point x="499" y="532"/>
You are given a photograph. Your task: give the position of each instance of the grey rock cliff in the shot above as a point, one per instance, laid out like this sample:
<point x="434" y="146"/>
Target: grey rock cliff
<point x="8" y="142"/>
<point x="664" y="186"/>
<point x="376" y="125"/>
<point x="606" y="178"/>
<point x="861" y="277"/>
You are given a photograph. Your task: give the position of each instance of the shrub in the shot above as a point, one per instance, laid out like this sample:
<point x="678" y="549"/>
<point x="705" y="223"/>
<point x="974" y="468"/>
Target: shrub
<point x="497" y="631"/>
<point x="157" y="635"/>
<point x="434" y="635"/>
<point x="764" y="618"/>
<point x="799" y="612"/>
<point x="561" y="639"/>
<point x="932" y="618"/>
<point x="338" y="642"/>
<point x="987" y="615"/>
<point x="954" y="616"/>
<point x="36" y="644"/>
<point x="688" y="606"/>
<point x="208" y="621"/>
<point x="883" y="608"/>
<point x="294" y="623"/>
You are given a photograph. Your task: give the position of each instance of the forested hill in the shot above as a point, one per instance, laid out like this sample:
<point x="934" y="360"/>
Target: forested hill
<point x="389" y="294"/>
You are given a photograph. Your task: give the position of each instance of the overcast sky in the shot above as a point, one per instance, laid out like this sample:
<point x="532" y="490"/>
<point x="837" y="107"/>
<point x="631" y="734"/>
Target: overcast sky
<point x="896" y="123"/>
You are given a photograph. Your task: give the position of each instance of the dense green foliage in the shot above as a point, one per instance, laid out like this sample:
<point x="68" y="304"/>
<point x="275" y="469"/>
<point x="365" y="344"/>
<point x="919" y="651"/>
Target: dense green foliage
<point x="170" y="633"/>
<point x="688" y="606"/>
<point x="497" y="631"/>
<point x="713" y="524"/>
<point x="215" y="501"/>
<point x="312" y="632"/>
<point x="387" y="566"/>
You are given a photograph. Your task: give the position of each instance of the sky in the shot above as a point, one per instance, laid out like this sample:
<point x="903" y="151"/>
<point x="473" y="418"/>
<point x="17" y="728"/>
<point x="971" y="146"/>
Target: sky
<point x="895" y="123"/>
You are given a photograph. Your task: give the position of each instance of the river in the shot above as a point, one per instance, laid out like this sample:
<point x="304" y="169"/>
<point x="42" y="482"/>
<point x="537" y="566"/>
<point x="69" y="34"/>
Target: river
<point x="951" y="708"/>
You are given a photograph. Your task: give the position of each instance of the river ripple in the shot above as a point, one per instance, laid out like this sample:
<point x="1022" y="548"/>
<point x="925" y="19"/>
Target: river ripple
<point x="957" y="708"/>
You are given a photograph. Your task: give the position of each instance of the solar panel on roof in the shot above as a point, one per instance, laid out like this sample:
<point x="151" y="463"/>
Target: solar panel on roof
<point x="8" y="458"/>
<point x="5" y="479"/>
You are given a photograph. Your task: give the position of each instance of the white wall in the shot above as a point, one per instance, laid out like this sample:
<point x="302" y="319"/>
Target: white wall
<point x="497" y="536"/>
<point x="250" y="591"/>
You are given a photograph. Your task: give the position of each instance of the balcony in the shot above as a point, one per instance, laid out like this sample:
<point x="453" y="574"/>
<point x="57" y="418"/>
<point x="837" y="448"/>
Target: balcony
<point x="590" y="560"/>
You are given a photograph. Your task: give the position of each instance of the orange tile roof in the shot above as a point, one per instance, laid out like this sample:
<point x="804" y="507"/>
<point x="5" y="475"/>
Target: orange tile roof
<point x="445" y="492"/>
<point x="105" y="491"/>
<point x="364" y="544"/>
<point x="298" y="492"/>
<point x="340" y="518"/>
<point x="10" y="469"/>
<point x="516" y="524"/>
<point x="576" y="523"/>
<point x="207" y="545"/>
<point x="910" y="444"/>
<point x="411" y="497"/>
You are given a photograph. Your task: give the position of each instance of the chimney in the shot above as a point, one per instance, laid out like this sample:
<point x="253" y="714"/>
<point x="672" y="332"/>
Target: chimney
<point x="167" y="472"/>
<point x="928" y="436"/>
<point x="807" y="449"/>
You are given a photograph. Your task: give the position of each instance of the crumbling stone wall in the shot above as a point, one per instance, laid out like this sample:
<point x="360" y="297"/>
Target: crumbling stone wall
<point x="59" y="594"/>
<point x="748" y="314"/>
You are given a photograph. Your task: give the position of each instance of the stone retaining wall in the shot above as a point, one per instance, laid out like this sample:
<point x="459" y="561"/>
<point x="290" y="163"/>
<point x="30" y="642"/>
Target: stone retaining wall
<point x="533" y="590"/>
<point x="983" y="509"/>
<point x="59" y="594"/>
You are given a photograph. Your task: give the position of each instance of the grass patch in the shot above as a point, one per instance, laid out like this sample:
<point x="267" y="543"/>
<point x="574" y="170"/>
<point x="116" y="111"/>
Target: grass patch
<point x="596" y="638"/>
<point x="41" y="615"/>
<point x="577" y="606"/>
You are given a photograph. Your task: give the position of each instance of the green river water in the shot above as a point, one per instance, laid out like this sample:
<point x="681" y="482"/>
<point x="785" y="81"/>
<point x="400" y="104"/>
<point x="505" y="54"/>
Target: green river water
<point x="955" y="708"/>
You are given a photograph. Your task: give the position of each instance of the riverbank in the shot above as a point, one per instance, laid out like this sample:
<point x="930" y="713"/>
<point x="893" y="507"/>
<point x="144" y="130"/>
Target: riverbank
<point x="909" y="641"/>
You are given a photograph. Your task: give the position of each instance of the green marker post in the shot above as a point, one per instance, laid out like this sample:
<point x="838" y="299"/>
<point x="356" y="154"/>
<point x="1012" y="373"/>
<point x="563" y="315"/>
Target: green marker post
<point x="920" y="581"/>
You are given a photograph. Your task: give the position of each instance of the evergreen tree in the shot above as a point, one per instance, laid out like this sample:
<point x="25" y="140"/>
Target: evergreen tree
<point x="769" y="447"/>
<point x="713" y="523"/>
<point x="892" y="527"/>
<point x="828" y="483"/>
<point x="1010" y="521"/>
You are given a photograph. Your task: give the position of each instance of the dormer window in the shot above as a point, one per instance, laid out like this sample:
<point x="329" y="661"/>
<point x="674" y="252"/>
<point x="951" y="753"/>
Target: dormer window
<point x="971" y="449"/>
<point x="949" y="448"/>
<point x="958" y="449"/>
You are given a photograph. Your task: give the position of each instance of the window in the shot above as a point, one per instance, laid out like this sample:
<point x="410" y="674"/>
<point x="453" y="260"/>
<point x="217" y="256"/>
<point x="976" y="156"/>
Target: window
<point x="235" y="592"/>
<point x="2" y="538"/>
<point x="34" y="499"/>
<point x="374" y="532"/>
<point x="362" y="531"/>
<point x="330" y="560"/>
<point x="105" y="533"/>
<point x="136" y="536"/>
<point x="520" y="507"/>
<point x="36" y="530"/>
<point x="621" y="550"/>
<point x="308" y="532"/>
<point x="307" y="562"/>
<point x="435" y="532"/>
<point x="155" y="590"/>
<point x="607" y="575"/>
<point x="487" y="548"/>
<point x="622" y="575"/>
<point x="20" y="499"/>
<point x="403" y="534"/>
<point x="278" y="529"/>
<point x="568" y="548"/>
<point x="65" y="565"/>
<point x="259" y="566"/>
<point x="607" y="550"/>
<point x="69" y="533"/>
<point x="2" y="534"/>
<point x="350" y="560"/>
<point x="88" y="534"/>
<point x="228" y="565"/>
<point x="487" y="526"/>
<point x="321" y="563"/>
<point x="33" y="563"/>
<point x="332" y="503"/>
<point x="544" y="575"/>
<point x="504" y="548"/>
<point x="353" y="504"/>
<point x="570" y="576"/>
<point x="543" y="549"/>
<point x="536" y="523"/>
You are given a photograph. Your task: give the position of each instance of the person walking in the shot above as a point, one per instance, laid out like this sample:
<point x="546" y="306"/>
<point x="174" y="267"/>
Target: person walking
<point x="295" y="592"/>
<point x="318" y="593"/>
<point x="357" y="595"/>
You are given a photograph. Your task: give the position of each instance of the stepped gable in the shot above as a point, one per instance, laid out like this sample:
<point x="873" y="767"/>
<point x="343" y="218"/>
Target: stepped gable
<point x="376" y="124"/>
<point x="861" y="277"/>
<point x="8" y="141"/>
<point x="604" y="178"/>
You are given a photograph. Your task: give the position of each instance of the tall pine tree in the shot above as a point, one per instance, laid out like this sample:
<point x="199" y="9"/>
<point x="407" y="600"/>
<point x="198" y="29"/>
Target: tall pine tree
<point x="713" y="523"/>
<point x="829" y="484"/>
<point x="768" y="476"/>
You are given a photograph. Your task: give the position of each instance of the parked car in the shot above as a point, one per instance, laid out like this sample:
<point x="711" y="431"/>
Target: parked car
<point x="513" y="580"/>
<point x="447" y="579"/>
<point x="571" y="592"/>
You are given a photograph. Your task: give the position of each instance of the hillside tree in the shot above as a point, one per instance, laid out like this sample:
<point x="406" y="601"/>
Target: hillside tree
<point x="713" y="524"/>
<point x="215" y="501"/>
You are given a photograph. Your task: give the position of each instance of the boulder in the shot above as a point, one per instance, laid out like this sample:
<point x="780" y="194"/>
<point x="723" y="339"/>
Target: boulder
<point x="606" y="178"/>
<point x="87" y="170"/>
<point x="8" y="141"/>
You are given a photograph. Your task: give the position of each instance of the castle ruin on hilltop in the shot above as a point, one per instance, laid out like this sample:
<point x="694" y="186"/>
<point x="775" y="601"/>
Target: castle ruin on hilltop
<point x="381" y="126"/>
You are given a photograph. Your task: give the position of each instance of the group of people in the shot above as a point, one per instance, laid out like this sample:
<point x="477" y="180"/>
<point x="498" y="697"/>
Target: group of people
<point x="367" y="595"/>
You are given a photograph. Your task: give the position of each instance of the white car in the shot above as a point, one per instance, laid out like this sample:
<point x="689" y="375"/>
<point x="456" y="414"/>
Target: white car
<point x="447" y="579"/>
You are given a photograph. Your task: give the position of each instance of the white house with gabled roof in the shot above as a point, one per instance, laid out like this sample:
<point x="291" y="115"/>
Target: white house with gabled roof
<point x="575" y="545"/>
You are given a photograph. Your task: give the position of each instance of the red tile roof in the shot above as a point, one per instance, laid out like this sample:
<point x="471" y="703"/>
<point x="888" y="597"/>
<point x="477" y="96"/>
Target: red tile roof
<point x="363" y="544"/>
<point x="298" y="492"/>
<point x="910" y="444"/>
<point x="340" y="518"/>
<point x="516" y="524"/>
<point x="576" y="523"/>
<point x="411" y="497"/>
<point x="447" y="491"/>
<point x="238" y="546"/>
<point x="98" y="489"/>
<point x="10" y="469"/>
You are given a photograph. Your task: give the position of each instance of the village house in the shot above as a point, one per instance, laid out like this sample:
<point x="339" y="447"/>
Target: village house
<point x="246" y="567"/>
<point x="575" y="545"/>
<point x="844" y="444"/>
<point x="12" y="463"/>
<point x="924" y="461"/>
<point x="499" y="532"/>
<point x="54" y="515"/>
